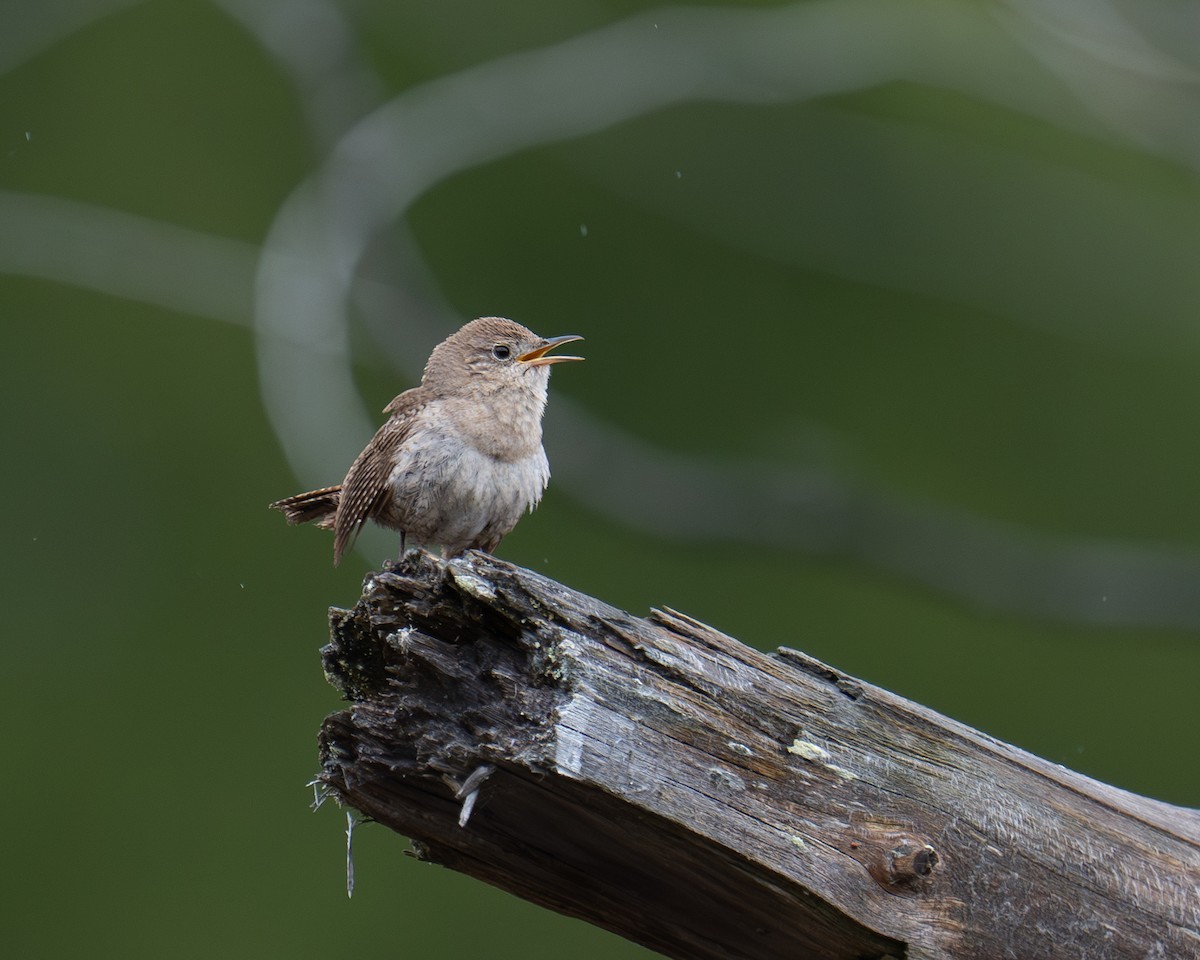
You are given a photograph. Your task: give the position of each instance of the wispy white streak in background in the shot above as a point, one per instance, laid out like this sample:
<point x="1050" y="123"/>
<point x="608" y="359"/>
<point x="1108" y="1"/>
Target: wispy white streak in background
<point x="124" y="255"/>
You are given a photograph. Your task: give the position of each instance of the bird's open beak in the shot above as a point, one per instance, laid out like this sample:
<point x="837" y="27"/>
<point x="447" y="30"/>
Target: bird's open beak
<point x="537" y="356"/>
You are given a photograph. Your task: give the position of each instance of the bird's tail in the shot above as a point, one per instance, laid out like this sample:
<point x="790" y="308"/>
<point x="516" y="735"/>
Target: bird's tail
<point x="317" y="506"/>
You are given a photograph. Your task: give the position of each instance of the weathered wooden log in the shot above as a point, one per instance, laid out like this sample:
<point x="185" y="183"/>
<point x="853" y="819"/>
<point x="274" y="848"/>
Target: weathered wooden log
<point x="671" y="784"/>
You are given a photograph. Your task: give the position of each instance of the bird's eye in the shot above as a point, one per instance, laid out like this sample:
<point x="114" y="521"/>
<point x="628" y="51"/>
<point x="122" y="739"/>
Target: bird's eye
<point x="501" y="351"/>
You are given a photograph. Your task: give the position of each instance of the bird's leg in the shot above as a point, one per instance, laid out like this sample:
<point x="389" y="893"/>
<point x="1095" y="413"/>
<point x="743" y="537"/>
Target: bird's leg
<point x="401" y="557"/>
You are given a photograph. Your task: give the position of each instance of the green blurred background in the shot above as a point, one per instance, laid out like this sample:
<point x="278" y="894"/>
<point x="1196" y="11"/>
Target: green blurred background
<point x="893" y="349"/>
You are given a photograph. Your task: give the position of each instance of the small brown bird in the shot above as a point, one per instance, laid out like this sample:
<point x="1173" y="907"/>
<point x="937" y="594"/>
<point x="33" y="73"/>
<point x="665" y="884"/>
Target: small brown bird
<point x="460" y="459"/>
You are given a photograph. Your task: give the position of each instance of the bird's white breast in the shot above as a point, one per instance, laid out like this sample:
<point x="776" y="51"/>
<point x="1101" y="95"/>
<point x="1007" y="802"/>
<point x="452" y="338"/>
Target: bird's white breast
<point x="446" y="490"/>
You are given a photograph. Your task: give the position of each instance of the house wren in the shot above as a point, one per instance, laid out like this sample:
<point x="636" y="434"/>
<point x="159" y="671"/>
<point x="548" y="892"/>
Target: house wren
<point x="460" y="459"/>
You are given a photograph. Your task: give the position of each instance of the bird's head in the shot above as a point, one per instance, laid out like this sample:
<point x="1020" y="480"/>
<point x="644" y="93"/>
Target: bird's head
<point x="492" y="354"/>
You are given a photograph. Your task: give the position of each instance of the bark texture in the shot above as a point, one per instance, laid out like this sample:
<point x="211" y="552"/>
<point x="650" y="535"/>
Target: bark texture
<point x="662" y="780"/>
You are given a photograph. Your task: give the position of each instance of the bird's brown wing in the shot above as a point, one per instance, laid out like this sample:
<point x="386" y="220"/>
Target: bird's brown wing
<point x="365" y="489"/>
